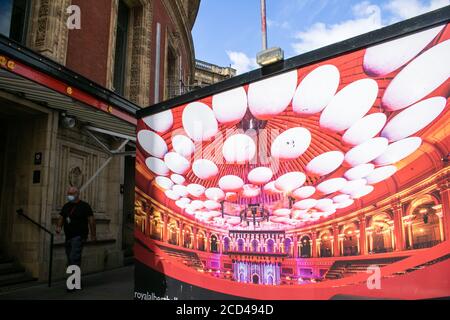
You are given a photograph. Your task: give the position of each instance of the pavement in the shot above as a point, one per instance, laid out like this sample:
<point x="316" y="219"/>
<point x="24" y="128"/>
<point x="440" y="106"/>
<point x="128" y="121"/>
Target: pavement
<point x="117" y="284"/>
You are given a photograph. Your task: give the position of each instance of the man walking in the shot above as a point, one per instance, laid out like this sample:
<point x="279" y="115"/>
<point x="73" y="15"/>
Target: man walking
<point x="76" y="215"/>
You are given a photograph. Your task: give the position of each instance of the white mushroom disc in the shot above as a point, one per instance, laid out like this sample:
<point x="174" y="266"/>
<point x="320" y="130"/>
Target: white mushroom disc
<point x="398" y="151"/>
<point x="152" y="143"/>
<point x="180" y="190"/>
<point x="230" y="106"/>
<point x="413" y="119"/>
<point x="230" y="183"/>
<point x="239" y="148"/>
<point x="387" y="57"/>
<point x="172" y="195"/>
<point x="205" y="169"/>
<point x="419" y="78"/>
<point x="366" y="151"/>
<point x="164" y="182"/>
<point x="195" y="190"/>
<point x="316" y="215"/>
<point x="304" y="192"/>
<point x="197" y="204"/>
<point x="250" y="191"/>
<point x="260" y="175"/>
<point x="331" y="185"/>
<point x="211" y="204"/>
<point x="341" y="198"/>
<point x="353" y="186"/>
<point x="157" y="166"/>
<point x="364" y="129"/>
<point x="364" y="191"/>
<point x="160" y="122"/>
<point x="183" y="145"/>
<point x="345" y="204"/>
<point x="316" y="90"/>
<point x="189" y="210"/>
<point x="325" y="163"/>
<point x="185" y="200"/>
<point x="290" y="181"/>
<point x="178" y="179"/>
<point x="215" y="214"/>
<point x="270" y="97"/>
<point x="231" y="196"/>
<point x="215" y="194"/>
<point x="305" y="204"/>
<point x="199" y="122"/>
<point x="324" y="204"/>
<point x="349" y="105"/>
<point x="291" y="144"/>
<point x="177" y="163"/>
<point x="271" y="189"/>
<point x="282" y="212"/>
<point x="360" y="171"/>
<point x="181" y="204"/>
<point x="381" y="174"/>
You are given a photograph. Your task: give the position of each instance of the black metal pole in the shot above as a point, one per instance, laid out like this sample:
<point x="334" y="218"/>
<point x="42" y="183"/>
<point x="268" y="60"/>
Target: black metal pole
<point x="50" y="263"/>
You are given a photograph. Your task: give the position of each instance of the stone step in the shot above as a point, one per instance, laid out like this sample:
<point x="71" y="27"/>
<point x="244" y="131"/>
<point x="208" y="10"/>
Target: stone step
<point x="10" y="267"/>
<point x="12" y="279"/>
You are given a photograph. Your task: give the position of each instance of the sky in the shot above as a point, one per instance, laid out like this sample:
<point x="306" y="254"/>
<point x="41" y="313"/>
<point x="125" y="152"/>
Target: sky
<point x="227" y="32"/>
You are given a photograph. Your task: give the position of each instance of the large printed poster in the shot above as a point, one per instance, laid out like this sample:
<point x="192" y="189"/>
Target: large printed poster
<point x="329" y="180"/>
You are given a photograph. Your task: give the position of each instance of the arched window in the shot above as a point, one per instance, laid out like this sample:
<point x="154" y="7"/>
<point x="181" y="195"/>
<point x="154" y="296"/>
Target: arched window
<point x="201" y="241"/>
<point x="240" y="245"/>
<point x="270" y="246"/>
<point x="305" y="247"/>
<point x="350" y="241"/>
<point x="214" y="243"/>
<point x="287" y="246"/>
<point x="226" y="244"/>
<point x="381" y="233"/>
<point x="325" y="244"/>
<point x="255" y="245"/>
<point x="425" y="227"/>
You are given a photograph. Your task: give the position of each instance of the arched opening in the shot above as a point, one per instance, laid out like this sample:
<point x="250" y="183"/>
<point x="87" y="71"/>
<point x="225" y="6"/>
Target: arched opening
<point x="325" y="244"/>
<point x="305" y="247"/>
<point x="425" y="226"/>
<point x="240" y="245"/>
<point x="173" y="236"/>
<point x="255" y="244"/>
<point x="287" y="246"/>
<point x="214" y="244"/>
<point x="350" y="241"/>
<point x="270" y="280"/>
<point x="382" y="233"/>
<point x="226" y="244"/>
<point x="156" y="229"/>
<point x="187" y="238"/>
<point x="255" y="279"/>
<point x="201" y="241"/>
<point x="270" y="246"/>
<point x="241" y="277"/>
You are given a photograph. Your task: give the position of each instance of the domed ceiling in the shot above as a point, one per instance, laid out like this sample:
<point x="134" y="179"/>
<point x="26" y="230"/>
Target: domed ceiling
<point x="305" y="145"/>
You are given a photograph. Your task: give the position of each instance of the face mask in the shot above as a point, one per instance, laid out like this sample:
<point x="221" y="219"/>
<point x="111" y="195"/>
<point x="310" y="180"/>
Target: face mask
<point x="71" y="198"/>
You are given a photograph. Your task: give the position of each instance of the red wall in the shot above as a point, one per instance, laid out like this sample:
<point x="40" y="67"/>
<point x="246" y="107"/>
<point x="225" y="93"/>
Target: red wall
<point x="87" y="51"/>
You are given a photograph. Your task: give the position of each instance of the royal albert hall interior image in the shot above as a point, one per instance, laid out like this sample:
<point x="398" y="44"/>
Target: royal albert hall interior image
<point x="305" y="182"/>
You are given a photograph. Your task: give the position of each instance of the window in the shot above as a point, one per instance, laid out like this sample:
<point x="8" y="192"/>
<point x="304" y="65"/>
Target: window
<point x="121" y="48"/>
<point x="14" y="19"/>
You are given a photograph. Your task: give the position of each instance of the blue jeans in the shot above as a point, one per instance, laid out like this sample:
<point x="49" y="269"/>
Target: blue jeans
<point x="74" y="247"/>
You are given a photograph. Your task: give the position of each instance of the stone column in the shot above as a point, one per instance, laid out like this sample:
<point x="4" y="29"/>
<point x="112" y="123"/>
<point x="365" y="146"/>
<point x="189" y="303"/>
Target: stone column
<point x="208" y="241"/>
<point x="314" y="244"/>
<point x="362" y="235"/>
<point x="335" y="241"/>
<point x="295" y="246"/>
<point x="444" y="188"/>
<point x="398" y="226"/>
<point x="195" y="245"/>
<point x="165" y="228"/>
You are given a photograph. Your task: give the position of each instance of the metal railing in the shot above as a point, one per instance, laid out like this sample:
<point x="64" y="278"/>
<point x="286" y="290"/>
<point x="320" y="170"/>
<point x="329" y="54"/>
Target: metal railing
<point x="50" y="263"/>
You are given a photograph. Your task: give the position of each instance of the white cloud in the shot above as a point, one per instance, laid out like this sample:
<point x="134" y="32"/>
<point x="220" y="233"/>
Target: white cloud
<point x="277" y="24"/>
<point x="404" y="9"/>
<point x="366" y="17"/>
<point x="241" y="62"/>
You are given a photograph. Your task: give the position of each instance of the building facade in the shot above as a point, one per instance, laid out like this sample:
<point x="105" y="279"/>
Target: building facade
<point x="67" y="103"/>
<point x="207" y="74"/>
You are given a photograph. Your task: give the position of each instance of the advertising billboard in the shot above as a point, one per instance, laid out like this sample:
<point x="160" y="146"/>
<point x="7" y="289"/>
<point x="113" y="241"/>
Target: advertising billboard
<point x="322" y="176"/>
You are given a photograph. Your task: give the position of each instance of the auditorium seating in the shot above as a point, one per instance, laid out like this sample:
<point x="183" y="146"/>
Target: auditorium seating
<point x="345" y="268"/>
<point x="189" y="258"/>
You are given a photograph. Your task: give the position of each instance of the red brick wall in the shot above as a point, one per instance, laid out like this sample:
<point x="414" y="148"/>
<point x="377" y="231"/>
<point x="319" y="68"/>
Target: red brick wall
<point x="87" y="51"/>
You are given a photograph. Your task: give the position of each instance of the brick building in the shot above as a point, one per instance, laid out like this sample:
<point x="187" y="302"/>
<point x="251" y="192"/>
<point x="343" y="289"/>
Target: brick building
<point x="67" y="104"/>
